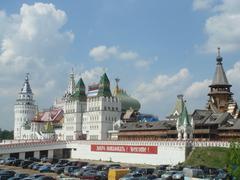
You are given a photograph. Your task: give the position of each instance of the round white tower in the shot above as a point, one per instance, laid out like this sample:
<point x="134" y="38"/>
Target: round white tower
<point x="24" y="110"/>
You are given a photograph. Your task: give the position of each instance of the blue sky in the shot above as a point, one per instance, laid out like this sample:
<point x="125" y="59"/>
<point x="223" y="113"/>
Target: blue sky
<point x="157" y="48"/>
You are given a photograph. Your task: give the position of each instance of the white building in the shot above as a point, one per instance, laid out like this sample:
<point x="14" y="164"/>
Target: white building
<point x="103" y="110"/>
<point x="78" y="116"/>
<point x="74" y="107"/>
<point x="24" y="112"/>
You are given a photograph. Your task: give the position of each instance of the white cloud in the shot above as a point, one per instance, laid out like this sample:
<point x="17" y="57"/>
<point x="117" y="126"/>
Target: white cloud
<point x="92" y="75"/>
<point x="234" y="79"/>
<point x="223" y="28"/>
<point x="102" y="53"/>
<point x="129" y="55"/>
<point x="33" y="41"/>
<point x="202" y="4"/>
<point x="197" y="89"/>
<point x="233" y="74"/>
<point x="161" y="86"/>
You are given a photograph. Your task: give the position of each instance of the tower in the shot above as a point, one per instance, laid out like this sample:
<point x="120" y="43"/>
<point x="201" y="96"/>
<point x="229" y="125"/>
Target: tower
<point x="103" y="110"/>
<point x="184" y="126"/>
<point x="220" y="95"/>
<point x="74" y="108"/>
<point x="24" y="111"/>
<point x="177" y="109"/>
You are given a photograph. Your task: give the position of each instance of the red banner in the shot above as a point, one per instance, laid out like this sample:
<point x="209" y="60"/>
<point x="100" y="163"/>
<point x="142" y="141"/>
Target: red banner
<point x="125" y="149"/>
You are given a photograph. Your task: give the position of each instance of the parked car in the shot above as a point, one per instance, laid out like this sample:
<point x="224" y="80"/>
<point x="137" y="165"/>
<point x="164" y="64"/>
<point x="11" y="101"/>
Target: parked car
<point x="33" y="177"/>
<point x="19" y="176"/>
<point x="17" y="162"/>
<point x="34" y="159"/>
<point x="54" y="166"/>
<point x="69" y="169"/>
<point x="30" y="166"/>
<point x="92" y="174"/>
<point x="45" y="178"/>
<point x="26" y="163"/>
<point x="9" y="160"/>
<point x="193" y="173"/>
<point x="101" y="175"/>
<point x="37" y="166"/>
<point x="168" y="175"/>
<point x="144" y="171"/>
<point x="45" y="168"/>
<point x="5" y="174"/>
<point x="132" y="176"/>
<point x="158" y="172"/>
<point x="59" y="169"/>
<point x="178" y="175"/>
<point x="63" y="161"/>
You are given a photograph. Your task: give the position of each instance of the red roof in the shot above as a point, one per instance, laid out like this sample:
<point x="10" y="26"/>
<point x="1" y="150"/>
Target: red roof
<point x="53" y="115"/>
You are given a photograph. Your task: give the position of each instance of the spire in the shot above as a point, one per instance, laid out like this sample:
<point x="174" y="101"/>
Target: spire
<point x="80" y="91"/>
<point x="220" y="77"/>
<point x="104" y="86"/>
<point x="178" y="106"/>
<point x="183" y="119"/>
<point x="117" y="89"/>
<point x="26" y="89"/>
<point x="71" y="84"/>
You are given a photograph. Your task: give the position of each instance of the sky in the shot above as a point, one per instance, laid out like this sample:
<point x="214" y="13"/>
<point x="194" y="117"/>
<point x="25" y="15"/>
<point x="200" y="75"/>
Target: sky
<point x="158" y="49"/>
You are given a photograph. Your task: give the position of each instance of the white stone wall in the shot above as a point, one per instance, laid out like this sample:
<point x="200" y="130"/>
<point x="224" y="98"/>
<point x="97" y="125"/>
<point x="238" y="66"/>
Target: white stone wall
<point x="101" y="113"/>
<point x="73" y="119"/>
<point x="168" y="153"/>
<point x="22" y="113"/>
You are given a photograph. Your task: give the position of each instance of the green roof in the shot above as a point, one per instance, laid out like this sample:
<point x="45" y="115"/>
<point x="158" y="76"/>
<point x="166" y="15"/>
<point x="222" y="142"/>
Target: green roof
<point x="127" y="102"/>
<point x="184" y="118"/>
<point x="179" y="105"/>
<point x="104" y="86"/>
<point x="79" y="93"/>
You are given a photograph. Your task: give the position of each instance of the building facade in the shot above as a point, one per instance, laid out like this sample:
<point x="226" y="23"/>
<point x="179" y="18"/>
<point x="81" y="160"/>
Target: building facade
<point x="24" y="111"/>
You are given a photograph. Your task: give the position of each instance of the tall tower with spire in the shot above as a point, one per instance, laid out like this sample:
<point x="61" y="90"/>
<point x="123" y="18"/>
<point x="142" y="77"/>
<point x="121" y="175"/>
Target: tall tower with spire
<point x="24" y="110"/>
<point x="71" y="85"/>
<point x="220" y="95"/>
<point x="74" y="107"/>
<point x="103" y="110"/>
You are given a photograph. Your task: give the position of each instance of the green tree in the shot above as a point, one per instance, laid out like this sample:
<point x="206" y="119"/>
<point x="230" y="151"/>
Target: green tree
<point x="233" y="161"/>
<point x="5" y="134"/>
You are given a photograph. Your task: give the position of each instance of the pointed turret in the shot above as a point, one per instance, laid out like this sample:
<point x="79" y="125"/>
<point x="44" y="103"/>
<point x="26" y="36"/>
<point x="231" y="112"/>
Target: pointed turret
<point x="183" y="119"/>
<point x="220" y="78"/>
<point x="24" y="110"/>
<point x="220" y="94"/>
<point x="71" y="84"/>
<point x="26" y="89"/>
<point x="177" y="109"/>
<point x="80" y="91"/>
<point x="184" y="125"/>
<point x="104" y="86"/>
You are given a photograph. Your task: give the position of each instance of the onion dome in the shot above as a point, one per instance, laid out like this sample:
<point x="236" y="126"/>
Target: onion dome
<point x="127" y="102"/>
